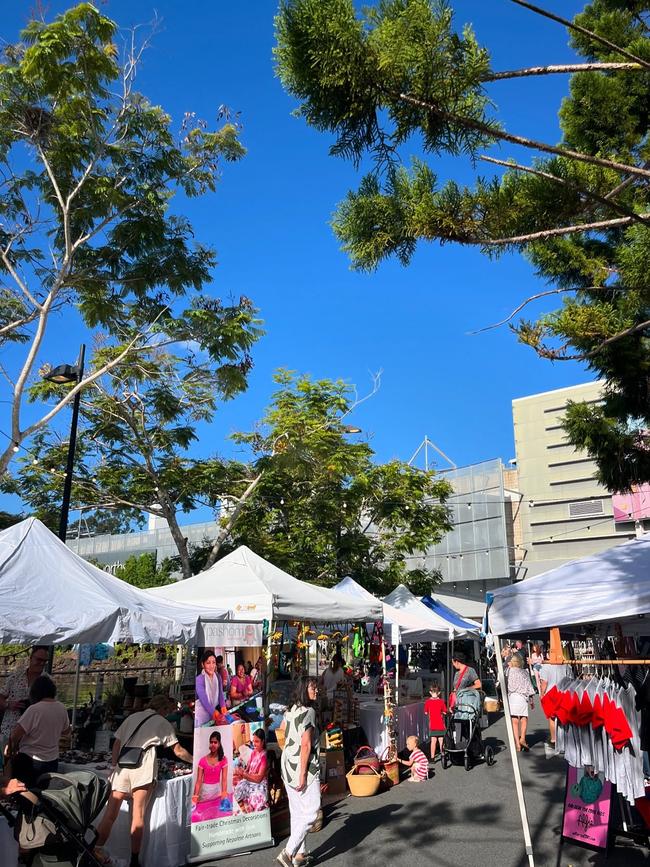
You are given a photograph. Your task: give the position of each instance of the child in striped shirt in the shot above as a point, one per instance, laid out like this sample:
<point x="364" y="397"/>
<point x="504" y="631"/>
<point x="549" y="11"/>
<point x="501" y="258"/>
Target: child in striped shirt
<point x="417" y="761"/>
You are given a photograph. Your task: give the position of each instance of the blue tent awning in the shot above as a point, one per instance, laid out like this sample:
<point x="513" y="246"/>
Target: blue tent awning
<point x="450" y="615"/>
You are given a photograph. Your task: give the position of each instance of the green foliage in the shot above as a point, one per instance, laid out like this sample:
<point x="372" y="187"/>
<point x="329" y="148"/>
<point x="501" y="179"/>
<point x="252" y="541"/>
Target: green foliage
<point x="402" y="70"/>
<point x="142" y="571"/>
<point x="323" y="508"/>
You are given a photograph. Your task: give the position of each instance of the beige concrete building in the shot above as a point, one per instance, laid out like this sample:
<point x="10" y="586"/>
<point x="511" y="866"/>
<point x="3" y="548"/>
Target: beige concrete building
<point x="566" y="513"/>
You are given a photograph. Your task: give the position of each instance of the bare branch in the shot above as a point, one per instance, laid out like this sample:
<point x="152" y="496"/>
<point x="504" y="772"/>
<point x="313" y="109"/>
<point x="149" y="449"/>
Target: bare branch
<point x="579" y="29"/>
<point x="487" y="129"/>
<point x="562" y="230"/>
<point x="528" y="301"/>
<point x="17" y="278"/>
<point x="18" y="323"/>
<point x="603" y="200"/>
<point x="562" y="68"/>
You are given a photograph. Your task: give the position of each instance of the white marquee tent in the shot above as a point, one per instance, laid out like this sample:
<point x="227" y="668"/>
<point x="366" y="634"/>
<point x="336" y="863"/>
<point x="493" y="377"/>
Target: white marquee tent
<point x="402" y="599"/>
<point x="254" y="590"/>
<point x="50" y="595"/>
<point x="401" y="627"/>
<point x="612" y="585"/>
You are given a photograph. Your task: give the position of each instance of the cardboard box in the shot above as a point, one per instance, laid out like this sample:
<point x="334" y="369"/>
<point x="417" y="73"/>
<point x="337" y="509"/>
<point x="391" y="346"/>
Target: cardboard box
<point x="335" y="772"/>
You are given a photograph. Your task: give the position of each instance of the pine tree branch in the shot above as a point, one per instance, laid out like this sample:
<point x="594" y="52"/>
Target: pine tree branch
<point x="554" y="355"/>
<point x="563" y="230"/>
<point x="563" y="68"/>
<point x="481" y="126"/>
<point x="603" y="200"/>
<point x="579" y="29"/>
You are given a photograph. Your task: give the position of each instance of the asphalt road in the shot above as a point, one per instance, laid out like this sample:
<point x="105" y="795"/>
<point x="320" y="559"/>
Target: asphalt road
<point x="458" y="818"/>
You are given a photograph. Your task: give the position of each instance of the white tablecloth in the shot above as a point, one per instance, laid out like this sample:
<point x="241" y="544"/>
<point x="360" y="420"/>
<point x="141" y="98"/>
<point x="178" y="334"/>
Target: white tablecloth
<point x="167" y="831"/>
<point x="411" y="720"/>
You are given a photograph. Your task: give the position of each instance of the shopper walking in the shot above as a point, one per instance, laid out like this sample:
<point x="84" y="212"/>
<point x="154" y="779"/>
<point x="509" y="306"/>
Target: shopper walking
<point x="300" y="768"/>
<point x="520" y="695"/>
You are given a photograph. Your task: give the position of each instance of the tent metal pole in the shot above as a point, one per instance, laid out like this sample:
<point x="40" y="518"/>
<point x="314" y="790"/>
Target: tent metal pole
<point x="384" y="673"/>
<point x="514" y="755"/>
<point x="267" y="678"/>
<point x="75" y="697"/>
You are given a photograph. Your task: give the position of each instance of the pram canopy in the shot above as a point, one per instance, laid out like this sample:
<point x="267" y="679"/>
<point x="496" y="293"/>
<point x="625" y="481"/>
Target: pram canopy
<point x="468" y="705"/>
<point x="76" y="798"/>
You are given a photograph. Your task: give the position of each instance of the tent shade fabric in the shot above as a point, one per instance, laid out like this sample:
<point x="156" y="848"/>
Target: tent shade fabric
<point x="613" y="585"/>
<point x="450" y="615"/>
<point x="50" y="595"/>
<point x="254" y="590"/>
<point x="400" y="627"/>
<point x="469" y="609"/>
<point x="402" y="598"/>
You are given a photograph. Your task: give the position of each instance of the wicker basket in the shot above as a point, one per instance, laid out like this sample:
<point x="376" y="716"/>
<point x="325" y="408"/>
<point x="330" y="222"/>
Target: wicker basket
<point x="390" y="767"/>
<point x="280" y="737"/>
<point x="363" y="785"/>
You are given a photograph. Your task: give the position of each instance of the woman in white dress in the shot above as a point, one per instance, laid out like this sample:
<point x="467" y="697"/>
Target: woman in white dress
<point x="520" y="695"/>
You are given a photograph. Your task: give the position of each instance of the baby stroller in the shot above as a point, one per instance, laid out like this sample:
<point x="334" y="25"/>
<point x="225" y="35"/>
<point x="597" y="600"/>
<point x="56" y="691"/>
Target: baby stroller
<point x="462" y="739"/>
<point x="53" y="824"/>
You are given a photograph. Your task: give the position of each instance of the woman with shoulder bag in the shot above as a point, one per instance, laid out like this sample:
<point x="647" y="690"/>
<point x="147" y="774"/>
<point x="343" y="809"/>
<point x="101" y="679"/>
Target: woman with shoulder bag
<point x="136" y="769"/>
<point x="300" y="768"/>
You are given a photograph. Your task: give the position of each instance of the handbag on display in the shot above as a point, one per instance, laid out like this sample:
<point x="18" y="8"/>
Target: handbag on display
<point x="452" y="694"/>
<point x="131" y="757"/>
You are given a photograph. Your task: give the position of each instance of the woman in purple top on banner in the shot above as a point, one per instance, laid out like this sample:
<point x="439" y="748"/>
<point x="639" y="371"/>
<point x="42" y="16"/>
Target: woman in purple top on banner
<point x="210" y="702"/>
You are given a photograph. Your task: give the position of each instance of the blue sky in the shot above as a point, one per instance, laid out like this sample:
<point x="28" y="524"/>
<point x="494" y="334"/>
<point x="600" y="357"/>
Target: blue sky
<point x="269" y="224"/>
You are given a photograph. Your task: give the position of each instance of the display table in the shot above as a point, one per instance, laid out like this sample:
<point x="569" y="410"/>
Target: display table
<point x="166" y="840"/>
<point x="411" y="720"/>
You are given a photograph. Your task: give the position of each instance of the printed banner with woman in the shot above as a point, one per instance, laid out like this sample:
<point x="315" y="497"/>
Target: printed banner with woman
<point x="230" y="804"/>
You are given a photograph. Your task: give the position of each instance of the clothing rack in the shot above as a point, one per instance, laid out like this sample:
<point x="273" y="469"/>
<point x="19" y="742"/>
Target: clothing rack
<point x="601" y="662"/>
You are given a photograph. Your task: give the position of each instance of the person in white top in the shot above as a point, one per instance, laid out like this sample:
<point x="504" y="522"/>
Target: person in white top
<point x="34" y="740"/>
<point x="333" y="675"/>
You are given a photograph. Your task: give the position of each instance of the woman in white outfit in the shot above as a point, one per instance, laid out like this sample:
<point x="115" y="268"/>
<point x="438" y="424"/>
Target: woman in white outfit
<point x="300" y="768"/>
<point x="520" y="695"/>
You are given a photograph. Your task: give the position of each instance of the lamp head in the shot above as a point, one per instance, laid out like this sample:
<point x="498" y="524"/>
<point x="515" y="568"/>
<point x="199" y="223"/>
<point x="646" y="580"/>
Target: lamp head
<point x="62" y="374"/>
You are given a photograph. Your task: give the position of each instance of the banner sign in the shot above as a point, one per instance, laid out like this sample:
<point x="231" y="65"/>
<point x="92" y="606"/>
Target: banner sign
<point x="587" y="806"/>
<point x="230" y="804"/>
<point x="227" y="634"/>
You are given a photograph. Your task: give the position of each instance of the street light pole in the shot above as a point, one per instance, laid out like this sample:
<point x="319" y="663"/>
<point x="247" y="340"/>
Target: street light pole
<point x="67" y="485"/>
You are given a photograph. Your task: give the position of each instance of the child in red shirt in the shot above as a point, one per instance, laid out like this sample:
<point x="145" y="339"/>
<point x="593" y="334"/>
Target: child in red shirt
<point x="435" y="707"/>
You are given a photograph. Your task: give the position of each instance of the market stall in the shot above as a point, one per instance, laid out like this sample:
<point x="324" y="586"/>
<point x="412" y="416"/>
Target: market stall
<point x="401" y="628"/>
<point x="49" y="595"/>
<point x="255" y="590"/>
<point x="595" y="596"/>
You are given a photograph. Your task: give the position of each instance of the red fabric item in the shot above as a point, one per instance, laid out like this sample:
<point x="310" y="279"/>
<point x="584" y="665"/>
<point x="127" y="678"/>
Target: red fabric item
<point x="434" y="708"/>
<point x="564" y="709"/>
<point x="583" y="710"/>
<point x="550" y="700"/>
<point x="619" y="731"/>
<point x="597" y="718"/>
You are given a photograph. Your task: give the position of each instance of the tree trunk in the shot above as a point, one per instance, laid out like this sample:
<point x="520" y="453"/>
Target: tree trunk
<point x="179" y="540"/>
<point x="224" y="531"/>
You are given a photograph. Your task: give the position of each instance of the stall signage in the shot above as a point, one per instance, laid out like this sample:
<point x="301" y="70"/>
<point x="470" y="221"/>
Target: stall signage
<point x="229" y="810"/>
<point x="587" y="807"/>
<point x="227" y="634"/>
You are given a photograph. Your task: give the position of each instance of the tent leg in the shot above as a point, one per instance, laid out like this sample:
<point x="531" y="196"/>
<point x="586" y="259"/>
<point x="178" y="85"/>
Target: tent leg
<point x="267" y="679"/>
<point x="385" y="682"/>
<point x="514" y="755"/>
<point x="75" y="697"/>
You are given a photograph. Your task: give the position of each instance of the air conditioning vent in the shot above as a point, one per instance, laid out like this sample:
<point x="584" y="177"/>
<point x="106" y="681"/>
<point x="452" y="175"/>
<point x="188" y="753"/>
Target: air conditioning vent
<point x="586" y="509"/>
